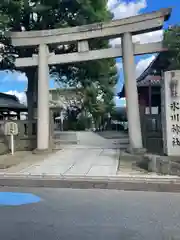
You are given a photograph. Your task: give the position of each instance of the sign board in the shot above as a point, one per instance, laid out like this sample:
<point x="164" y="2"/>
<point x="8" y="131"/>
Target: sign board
<point x="11" y="128"/>
<point x="62" y="115"/>
<point x="171" y="112"/>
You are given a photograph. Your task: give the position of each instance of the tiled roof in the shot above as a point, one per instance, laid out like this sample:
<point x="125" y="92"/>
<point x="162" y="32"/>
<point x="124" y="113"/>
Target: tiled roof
<point x="160" y="63"/>
<point x="8" y="96"/>
<point x="152" y="74"/>
<point x="150" y="79"/>
<point x="10" y="102"/>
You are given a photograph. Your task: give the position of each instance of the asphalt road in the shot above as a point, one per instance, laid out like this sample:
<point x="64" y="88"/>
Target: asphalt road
<point x="65" y="214"/>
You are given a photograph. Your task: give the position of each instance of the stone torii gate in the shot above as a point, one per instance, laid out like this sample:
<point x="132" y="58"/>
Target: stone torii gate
<point x="124" y="28"/>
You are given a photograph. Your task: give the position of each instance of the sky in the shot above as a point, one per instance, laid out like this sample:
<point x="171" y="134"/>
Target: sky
<point x="16" y="83"/>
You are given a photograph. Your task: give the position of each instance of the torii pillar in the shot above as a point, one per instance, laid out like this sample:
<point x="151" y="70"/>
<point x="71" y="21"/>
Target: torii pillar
<point x="132" y="104"/>
<point x="43" y="99"/>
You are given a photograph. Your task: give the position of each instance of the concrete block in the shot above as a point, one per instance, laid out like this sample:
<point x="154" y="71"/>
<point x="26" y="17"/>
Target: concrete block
<point x="152" y="163"/>
<point x="136" y="151"/>
<point x="175" y="168"/>
<point x="165" y="167"/>
<point x="158" y="164"/>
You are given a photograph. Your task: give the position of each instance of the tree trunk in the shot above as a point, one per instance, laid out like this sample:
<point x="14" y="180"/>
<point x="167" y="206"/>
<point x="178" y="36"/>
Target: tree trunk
<point x="31" y="75"/>
<point x="31" y="92"/>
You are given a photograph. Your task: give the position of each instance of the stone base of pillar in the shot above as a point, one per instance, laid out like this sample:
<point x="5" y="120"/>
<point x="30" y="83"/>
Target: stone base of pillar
<point x="43" y="151"/>
<point x="136" y="151"/>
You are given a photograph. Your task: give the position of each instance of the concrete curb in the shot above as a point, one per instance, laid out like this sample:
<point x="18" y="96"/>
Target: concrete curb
<point x="128" y="183"/>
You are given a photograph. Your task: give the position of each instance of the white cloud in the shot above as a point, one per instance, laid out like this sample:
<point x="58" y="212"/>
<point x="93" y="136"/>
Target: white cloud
<point x="20" y="95"/>
<point x="120" y="102"/>
<point x="119" y="66"/>
<point x="110" y="4"/>
<point x="114" y="42"/>
<point x="122" y="9"/>
<point x="156" y="36"/>
<point x="13" y="76"/>
<point x="143" y="64"/>
<point x="21" y="77"/>
<point x="18" y="76"/>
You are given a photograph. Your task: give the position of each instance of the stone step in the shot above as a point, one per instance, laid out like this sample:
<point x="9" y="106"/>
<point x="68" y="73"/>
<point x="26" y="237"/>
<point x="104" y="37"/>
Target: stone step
<point x="126" y="157"/>
<point x="121" y="142"/>
<point x="65" y="141"/>
<point x="89" y="139"/>
<point x="65" y="136"/>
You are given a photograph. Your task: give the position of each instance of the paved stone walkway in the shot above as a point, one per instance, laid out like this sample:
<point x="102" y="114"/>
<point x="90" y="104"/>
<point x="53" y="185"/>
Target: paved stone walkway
<point x="94" y="155"/>
<point x="76" y="160"/>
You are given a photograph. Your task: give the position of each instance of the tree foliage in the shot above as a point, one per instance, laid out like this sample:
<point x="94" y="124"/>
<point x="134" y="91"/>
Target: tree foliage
<point x="96" y="77"/>
<point x="172" y="42"/>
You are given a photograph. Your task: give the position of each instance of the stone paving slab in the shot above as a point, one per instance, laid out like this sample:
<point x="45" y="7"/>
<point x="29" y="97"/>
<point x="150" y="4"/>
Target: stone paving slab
<point x="19" y="161"/>
<point x="128" y="164"/>
<point x="8" y="160"/>
<point x="78" y="169"/>
<point x="77" y="161"/>
<point x="39" y="170"/>
<point x="102" y="171"/>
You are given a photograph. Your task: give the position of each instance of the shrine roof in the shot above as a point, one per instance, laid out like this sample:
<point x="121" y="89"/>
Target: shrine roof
<point x="152" y="74"/>
<point x="10" y="102"/>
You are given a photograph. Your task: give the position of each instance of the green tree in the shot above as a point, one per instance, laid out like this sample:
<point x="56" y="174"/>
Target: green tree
<point x="16" y="15"/>
<point x="172" y="42"/>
